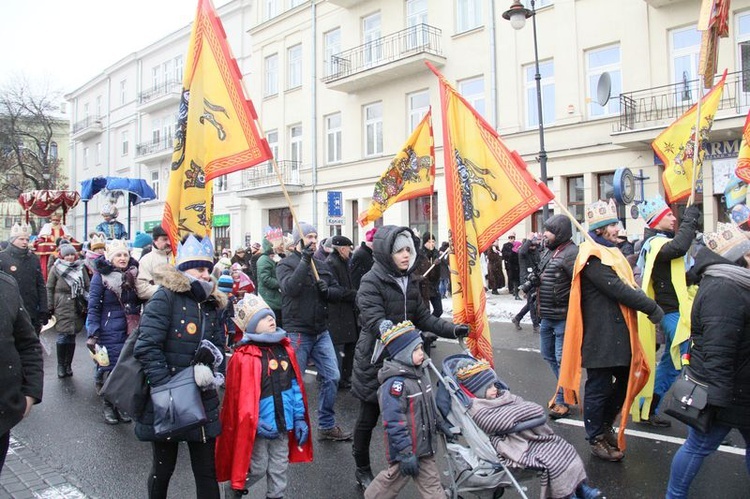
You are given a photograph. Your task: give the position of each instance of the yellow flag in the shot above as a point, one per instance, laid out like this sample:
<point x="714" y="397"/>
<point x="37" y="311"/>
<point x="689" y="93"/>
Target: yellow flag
<point x="216" y="131"/>
<point x="742" y="170"/>
<point x="411" y="173"/>
<point x="488" y="190"/>
<point x="676" y="144"/>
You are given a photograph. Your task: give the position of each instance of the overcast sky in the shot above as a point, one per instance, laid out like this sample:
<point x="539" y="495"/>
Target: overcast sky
<point x="64" y="43"/>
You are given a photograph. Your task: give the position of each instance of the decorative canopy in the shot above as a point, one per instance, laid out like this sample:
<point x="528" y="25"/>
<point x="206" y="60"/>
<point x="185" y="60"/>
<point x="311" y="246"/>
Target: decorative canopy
<point x="45" y="203"/>
<point x="138" y="190"/>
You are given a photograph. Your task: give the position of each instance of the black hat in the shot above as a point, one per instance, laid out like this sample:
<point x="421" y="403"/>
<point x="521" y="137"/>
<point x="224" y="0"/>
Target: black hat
<point x="341" y="241"/>
<point x="158" y="231"/>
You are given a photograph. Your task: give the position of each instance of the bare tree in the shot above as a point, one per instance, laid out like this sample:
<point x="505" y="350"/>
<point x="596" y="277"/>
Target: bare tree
<point x="29" y="124"/>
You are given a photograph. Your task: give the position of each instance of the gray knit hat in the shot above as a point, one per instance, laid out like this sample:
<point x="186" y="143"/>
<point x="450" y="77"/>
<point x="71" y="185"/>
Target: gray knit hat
<point x="306" y="229"/>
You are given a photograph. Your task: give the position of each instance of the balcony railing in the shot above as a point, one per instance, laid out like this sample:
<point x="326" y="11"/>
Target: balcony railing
<point x="153" y="147"/>
<point x="659" y="105"/>
<point x="161" y="90"/>
<point x="89" y="121"/>
<point x="264" y="176"/>
<point x="418" y="39"/>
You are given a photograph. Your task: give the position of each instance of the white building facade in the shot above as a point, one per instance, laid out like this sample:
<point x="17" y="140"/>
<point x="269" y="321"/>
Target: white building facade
<point x="339" y="85"/>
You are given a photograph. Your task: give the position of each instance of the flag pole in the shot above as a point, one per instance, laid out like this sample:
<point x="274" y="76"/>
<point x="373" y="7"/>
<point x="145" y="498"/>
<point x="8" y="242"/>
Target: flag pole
<point x="696" y="149"/>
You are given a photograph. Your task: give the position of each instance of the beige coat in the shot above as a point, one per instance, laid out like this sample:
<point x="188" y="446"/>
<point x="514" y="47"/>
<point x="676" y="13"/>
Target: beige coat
<point x="146" y="284"/>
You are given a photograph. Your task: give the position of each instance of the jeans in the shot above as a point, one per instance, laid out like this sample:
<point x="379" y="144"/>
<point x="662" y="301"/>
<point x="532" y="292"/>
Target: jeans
<point x="666" y="373"/>
<point x="369" y="412"/>
<point x="606" y="388"/>
<point x="551" y="334"/>
<point x="444" y="287"/>
<point x="689" y="458"/>
<point x="437" y="306"/>
<point x="530" y="307"/>
<point x="65" y="339"/>
<point x="270" y="460"/>
<point x="201" y="460"/>
<point x="319" y="349"/>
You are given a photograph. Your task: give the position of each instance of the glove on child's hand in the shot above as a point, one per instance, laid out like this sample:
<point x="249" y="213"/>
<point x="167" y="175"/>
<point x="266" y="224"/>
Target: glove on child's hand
<point x="301" y="431"/>
<point x="408" y="464"/>
<point x="204" y="356"/>
<point x="266" y="431"/>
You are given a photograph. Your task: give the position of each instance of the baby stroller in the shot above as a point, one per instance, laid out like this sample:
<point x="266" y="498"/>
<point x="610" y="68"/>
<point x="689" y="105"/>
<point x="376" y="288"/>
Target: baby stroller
<point x="476" y="468"/>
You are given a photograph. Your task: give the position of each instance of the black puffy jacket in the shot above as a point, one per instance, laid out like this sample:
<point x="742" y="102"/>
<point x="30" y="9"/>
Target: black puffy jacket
<point x="381" y="297"/>
<point x="556" y="266"/>
<point x="169" y="335"/>
<point x="342" y="319"/>
<point x="24" y="267"/>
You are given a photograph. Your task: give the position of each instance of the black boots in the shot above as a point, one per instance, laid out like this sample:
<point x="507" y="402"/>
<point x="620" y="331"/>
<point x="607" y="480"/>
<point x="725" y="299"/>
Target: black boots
<point x="110" y="413"/>
<point x="69" y="359"/>
<point x="364" y="476"/>
<point x="65" y="359"/>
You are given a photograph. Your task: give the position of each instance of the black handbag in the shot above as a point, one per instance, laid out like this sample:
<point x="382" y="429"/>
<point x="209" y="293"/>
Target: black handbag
<point x="178" y="406"/>
<point x="126" y="387"/>
<point x="689" y="402"/>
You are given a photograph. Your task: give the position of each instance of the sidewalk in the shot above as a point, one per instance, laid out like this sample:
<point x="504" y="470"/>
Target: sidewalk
<point x="25" y="476"/>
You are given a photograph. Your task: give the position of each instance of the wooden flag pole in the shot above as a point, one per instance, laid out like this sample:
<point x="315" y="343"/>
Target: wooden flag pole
<point x="696" y="149"/>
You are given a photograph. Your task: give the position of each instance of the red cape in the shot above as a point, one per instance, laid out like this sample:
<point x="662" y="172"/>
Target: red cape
<point x="239" y="416"/>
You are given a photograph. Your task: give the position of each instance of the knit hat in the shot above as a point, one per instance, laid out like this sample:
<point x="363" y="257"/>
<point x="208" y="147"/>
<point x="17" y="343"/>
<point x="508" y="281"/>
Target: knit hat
<point x="142" y="240"/>
<point x="341" y="241"/>
<point x="475" y="376"/>
<point x="370" y="234"/>
<point x="225" y="262"/>
<point x="19" y="230"/>
<point x="400" y="340"/>
<point x="158" y="231"/>
<point x="249" y="311"/>
<point x="225" y="282"/>
<point x="306" y="229"/>
<point x="66" y="250"/>
<point x="729" y="241"/>
<point x="654" y="209"/>
<point x="193" y="253"/>
<point x="600" y="214"/>
<point x="403" y="240"/>
<point x="117" y="246"/>
<point x="109" y="210"/>
<point x="97" y="241"/>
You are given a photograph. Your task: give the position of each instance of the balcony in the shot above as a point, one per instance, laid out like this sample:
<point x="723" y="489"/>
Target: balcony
<point x="261" y="180"/>
<point x="154" y="151"/>
<point x="164" y="95"/>
<point x="347" y="4"/>
<point x="657" y="107"/>
<point x="380" y="61"/>
<point x="87" y="128"/>
<point x="662" y="3"/>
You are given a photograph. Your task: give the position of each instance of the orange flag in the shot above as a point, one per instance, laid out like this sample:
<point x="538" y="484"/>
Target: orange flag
<point x="675" y="145"/>
<point x="489" y="190"/>
<point x="410" y="175"/>
<point x="743" y="158"/>
<point x="216" y="131"/>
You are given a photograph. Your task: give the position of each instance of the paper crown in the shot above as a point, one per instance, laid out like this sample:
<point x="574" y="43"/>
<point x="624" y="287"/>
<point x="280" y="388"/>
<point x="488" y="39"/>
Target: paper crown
<point x="601" y="213"/>
<point x="246" y="308"/>
<point x="652" y="210"/>
<point x="116" y="246"/>
<point x="729" y="241"/>
<point x="275" y="236"/>
<point x="97" y="241"/>
<point x="19" y="230"/>
<point x="194" y="250"/>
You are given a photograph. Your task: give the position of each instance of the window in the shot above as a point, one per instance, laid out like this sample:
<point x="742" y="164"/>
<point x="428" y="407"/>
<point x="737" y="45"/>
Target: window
<point x="742" y="35"/>
<point x="576" y="202"/>
<point x="333" y="138"/>
<point x="155" y="131"/>
<point x="99" y="106"/>
<point x="295" y="144"/>
<point x="419" y="104"/>
<point x="416" y="16"/>
<point x="166" y="71"/>
<point x="468" y="15"/>
<point x="332" y="47"/>
<point x="538" y="4"/>
<point x="53" y="151"/>
<point x="155" y="77"/>
<point x="473" y="91"/>
<point x="281" y="217"/>
<point x="371" y="39"/>
<point x="86" y="110"/>
<point x="597" y="62"/>
<point x="221" y="239"/>
<point x="123" y="92"/>
<point x="686" y="46"/>
<point x="606" y="182"/>
<point x="272" y="137"/>
<point x="124" y="143"/>
<point x="155" y="182"/>
<point x="373" y="114"/>
<point x="272" y="75"/>
<point x="294" y="57"/>
<point x="547" y="82"/>
<point x="272" y="8"/>
<point x="98" y="154"/>
<point x="421" y="211"/>
<point x="85" y="157"/>
<point x="178" y="68"/>
<point x="221" y="183"/>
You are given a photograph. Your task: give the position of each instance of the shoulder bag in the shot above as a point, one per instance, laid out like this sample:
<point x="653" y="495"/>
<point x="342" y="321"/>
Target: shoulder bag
<point x="689" y="402"/>
<point x="178" y="406"/>
<point x="126" y="387"/>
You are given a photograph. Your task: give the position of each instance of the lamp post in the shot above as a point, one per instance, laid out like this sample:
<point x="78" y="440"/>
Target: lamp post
<point x="517" y="15"/>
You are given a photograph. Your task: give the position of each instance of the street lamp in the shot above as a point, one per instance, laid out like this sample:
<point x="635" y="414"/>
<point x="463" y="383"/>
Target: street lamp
<point x="517" y="15"/>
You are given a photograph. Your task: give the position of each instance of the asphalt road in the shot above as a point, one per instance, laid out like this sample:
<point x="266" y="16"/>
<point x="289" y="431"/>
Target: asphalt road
<point x="68" y="432"/>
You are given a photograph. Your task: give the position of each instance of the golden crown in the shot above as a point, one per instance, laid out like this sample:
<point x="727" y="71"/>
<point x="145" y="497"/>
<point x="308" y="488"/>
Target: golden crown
<point x="728" y="241"/>
<point x="601" y="213"/>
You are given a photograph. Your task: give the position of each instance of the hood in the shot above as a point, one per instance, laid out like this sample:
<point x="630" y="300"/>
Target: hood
<point x="176" y="281"/>
<point x="561" y="227"/>
<point x="383" y="243"/>
<point x="392" y="368"/>
<point x="267" y="247"/>
<point x="104" y="266"/>
<point x="705" y="258"/>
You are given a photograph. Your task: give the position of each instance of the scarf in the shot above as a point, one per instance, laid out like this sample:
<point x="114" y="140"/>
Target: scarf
<point x="72" y="274"/>
<point x="200" y="288"/>
<point x="599" y="239"/>
<point x="734" y="273"/>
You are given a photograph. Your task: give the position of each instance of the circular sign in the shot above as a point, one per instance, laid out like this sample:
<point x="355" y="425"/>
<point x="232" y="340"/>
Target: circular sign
<point x="624" y="186"/>
<point x="634" y="212"/>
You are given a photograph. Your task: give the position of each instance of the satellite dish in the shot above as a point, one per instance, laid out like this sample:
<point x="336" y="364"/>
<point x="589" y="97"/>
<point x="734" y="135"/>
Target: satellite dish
<point x="603" y="89"/>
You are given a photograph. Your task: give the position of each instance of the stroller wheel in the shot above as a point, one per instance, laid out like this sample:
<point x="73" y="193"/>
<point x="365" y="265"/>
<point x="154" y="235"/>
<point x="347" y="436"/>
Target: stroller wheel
<point x="498" y="493"/>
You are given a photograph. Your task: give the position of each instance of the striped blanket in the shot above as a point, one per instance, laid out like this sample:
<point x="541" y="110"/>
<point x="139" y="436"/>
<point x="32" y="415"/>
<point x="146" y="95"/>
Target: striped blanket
<point x="537" y="448"/>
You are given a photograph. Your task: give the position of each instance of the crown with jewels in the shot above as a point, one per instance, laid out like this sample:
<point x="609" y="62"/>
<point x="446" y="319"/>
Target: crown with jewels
<point x="275" y="236"/>
<point x="728" y="241"/>
<point x="19" y="230"/>
<point x="600" y="214"/>
<point x="116" y="246"/>
<point x="97" y="241"/>
<point x="652" y="210"/>
<point x="193" y="249"/>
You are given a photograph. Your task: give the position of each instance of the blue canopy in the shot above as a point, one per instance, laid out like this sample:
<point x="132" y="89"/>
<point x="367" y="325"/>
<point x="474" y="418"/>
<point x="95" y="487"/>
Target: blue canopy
<point x="138" y="190"/>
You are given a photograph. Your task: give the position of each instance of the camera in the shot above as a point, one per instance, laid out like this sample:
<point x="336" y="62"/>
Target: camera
<point x="531" y="282"/>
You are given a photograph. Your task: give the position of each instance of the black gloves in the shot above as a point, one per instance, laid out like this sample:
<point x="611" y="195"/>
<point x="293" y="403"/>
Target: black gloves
<point x="461" y="330"/>
<point x="445" y="428"/>
<point x="204" y="356"/>
<point x="656" y="316"/>
<point x="692" y="213"/>
<point x="322" y="287"/>
<point x="408" y="464"/>
<point x="307" y="253"/>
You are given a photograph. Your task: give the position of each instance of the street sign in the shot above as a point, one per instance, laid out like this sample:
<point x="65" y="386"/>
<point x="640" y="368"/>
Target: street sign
<point x="335" y="204"/>
<point x="336" y="220"/>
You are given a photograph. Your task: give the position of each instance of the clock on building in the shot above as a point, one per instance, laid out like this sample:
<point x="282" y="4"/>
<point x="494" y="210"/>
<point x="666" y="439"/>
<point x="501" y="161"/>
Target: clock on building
<point x="624" y="186"/>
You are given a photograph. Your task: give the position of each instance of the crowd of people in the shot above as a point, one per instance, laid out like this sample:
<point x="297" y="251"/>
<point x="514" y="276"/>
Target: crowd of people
<point x="255" y="319"/>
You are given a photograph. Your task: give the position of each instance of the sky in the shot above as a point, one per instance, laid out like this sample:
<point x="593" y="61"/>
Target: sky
<point x="62" y="44"/>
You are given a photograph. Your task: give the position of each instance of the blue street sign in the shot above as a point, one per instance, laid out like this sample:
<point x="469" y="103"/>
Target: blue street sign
<point x="335" y="204"/>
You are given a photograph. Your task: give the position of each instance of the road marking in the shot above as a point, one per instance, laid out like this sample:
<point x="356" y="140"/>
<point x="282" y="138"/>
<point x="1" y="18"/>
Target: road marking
<point x="655" y="436"/>
<point x="519" y="349"/>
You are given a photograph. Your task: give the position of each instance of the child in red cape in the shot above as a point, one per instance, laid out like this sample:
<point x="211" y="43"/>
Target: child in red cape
<point x="259" y="439"/>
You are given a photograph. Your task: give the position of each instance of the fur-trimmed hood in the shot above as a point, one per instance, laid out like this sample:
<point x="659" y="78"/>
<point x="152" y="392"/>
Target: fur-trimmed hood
<point x="176" y="281"/>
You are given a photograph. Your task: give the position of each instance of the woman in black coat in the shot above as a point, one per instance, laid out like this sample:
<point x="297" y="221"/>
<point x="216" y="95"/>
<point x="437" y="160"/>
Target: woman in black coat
<point x="342" y="315"/>
<point x="183" y="312"/>
<point x="720" y="332"/>
<point x="387" y="292"/>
